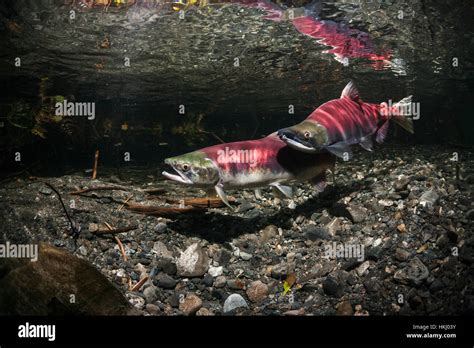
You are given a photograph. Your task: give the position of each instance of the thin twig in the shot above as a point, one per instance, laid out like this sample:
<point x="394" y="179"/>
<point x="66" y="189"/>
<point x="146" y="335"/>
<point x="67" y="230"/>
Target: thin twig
<point x="126" y="201"/>
<point x="200" y="117"/>
<point x="115" y="230"/>
<point x="138" y="285"/>
<point x="73" y="229"/>
<point x="96" y="160"/>
<point x="122" y="250"/>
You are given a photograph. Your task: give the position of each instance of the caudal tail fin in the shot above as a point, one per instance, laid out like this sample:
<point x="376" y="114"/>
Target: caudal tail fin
<point x="400" y="116"/>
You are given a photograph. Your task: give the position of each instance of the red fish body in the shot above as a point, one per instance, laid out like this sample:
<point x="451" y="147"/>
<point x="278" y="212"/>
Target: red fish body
<point x="348" y="120"/>
<point x="250" y="164"/>
<point x="339" y="123"/>
<point x="345" y="42"/>
<point x="264" y="162"/>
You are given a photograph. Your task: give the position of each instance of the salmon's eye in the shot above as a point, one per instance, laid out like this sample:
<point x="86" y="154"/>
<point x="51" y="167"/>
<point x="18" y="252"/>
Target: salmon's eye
<point x="185" y="167"/>
<point x="307" y="135"/>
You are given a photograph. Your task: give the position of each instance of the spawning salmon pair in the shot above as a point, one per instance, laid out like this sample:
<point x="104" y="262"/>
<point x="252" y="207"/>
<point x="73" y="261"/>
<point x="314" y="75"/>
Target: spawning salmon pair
<point x="295" y="154"/>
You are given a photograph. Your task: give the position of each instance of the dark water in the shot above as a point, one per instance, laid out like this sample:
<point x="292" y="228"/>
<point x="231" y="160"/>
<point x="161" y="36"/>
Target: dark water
<point x="426" y="49"/>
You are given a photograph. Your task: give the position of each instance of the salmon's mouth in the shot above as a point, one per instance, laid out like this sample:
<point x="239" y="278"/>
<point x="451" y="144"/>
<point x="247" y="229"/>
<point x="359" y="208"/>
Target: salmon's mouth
<point x="292" y="141"/>
<point x="181" y="178"/>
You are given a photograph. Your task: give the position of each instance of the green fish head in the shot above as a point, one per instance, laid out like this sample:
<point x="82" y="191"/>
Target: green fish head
<point x="306" y="136"/>
<point x="194" y="168"/>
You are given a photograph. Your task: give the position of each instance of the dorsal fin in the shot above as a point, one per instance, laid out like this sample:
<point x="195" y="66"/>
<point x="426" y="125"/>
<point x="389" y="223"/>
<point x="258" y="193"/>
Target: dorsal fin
<point x="350" y="91"/>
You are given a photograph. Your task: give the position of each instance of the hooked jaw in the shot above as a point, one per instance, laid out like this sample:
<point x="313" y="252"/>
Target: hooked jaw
<point x="193" y="168"/>
<point x="205" y="175"/>
<point x="292" y="140"/>
<point x="181" y="178"/>
<point x="178" y="178"/>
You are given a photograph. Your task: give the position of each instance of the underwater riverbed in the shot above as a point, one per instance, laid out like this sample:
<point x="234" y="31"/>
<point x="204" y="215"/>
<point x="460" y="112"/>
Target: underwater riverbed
<point x="99" y="93"/>
<point x="410" y="215"/>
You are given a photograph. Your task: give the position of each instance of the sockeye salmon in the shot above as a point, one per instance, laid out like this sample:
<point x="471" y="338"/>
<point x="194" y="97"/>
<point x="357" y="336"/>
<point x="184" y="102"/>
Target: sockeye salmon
<point x="339" y="123"/>
<point x="249" y="164"/>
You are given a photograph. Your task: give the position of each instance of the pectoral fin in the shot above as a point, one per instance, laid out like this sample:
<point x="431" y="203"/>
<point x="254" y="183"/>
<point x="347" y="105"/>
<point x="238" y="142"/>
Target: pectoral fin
<point x="367" y="143"/>
<point x="258" y="194"/>
<point x="220" y="192"/>
<point x="286" y="190"/>
<point x="341" y="150"/>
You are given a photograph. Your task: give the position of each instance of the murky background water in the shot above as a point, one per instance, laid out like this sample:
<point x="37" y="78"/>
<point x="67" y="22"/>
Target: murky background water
<point x="80" y="50"/>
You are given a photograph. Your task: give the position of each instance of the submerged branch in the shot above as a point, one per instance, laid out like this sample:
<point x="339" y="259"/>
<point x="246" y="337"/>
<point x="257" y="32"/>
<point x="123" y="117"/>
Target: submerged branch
<point x="73" y="229"/>
<point x="207" y="202"/>
<point x="138" y="285"/>
<point x="110" y="230"/>
<point x="96" y="160"/>
<point x="162" y="211"/>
